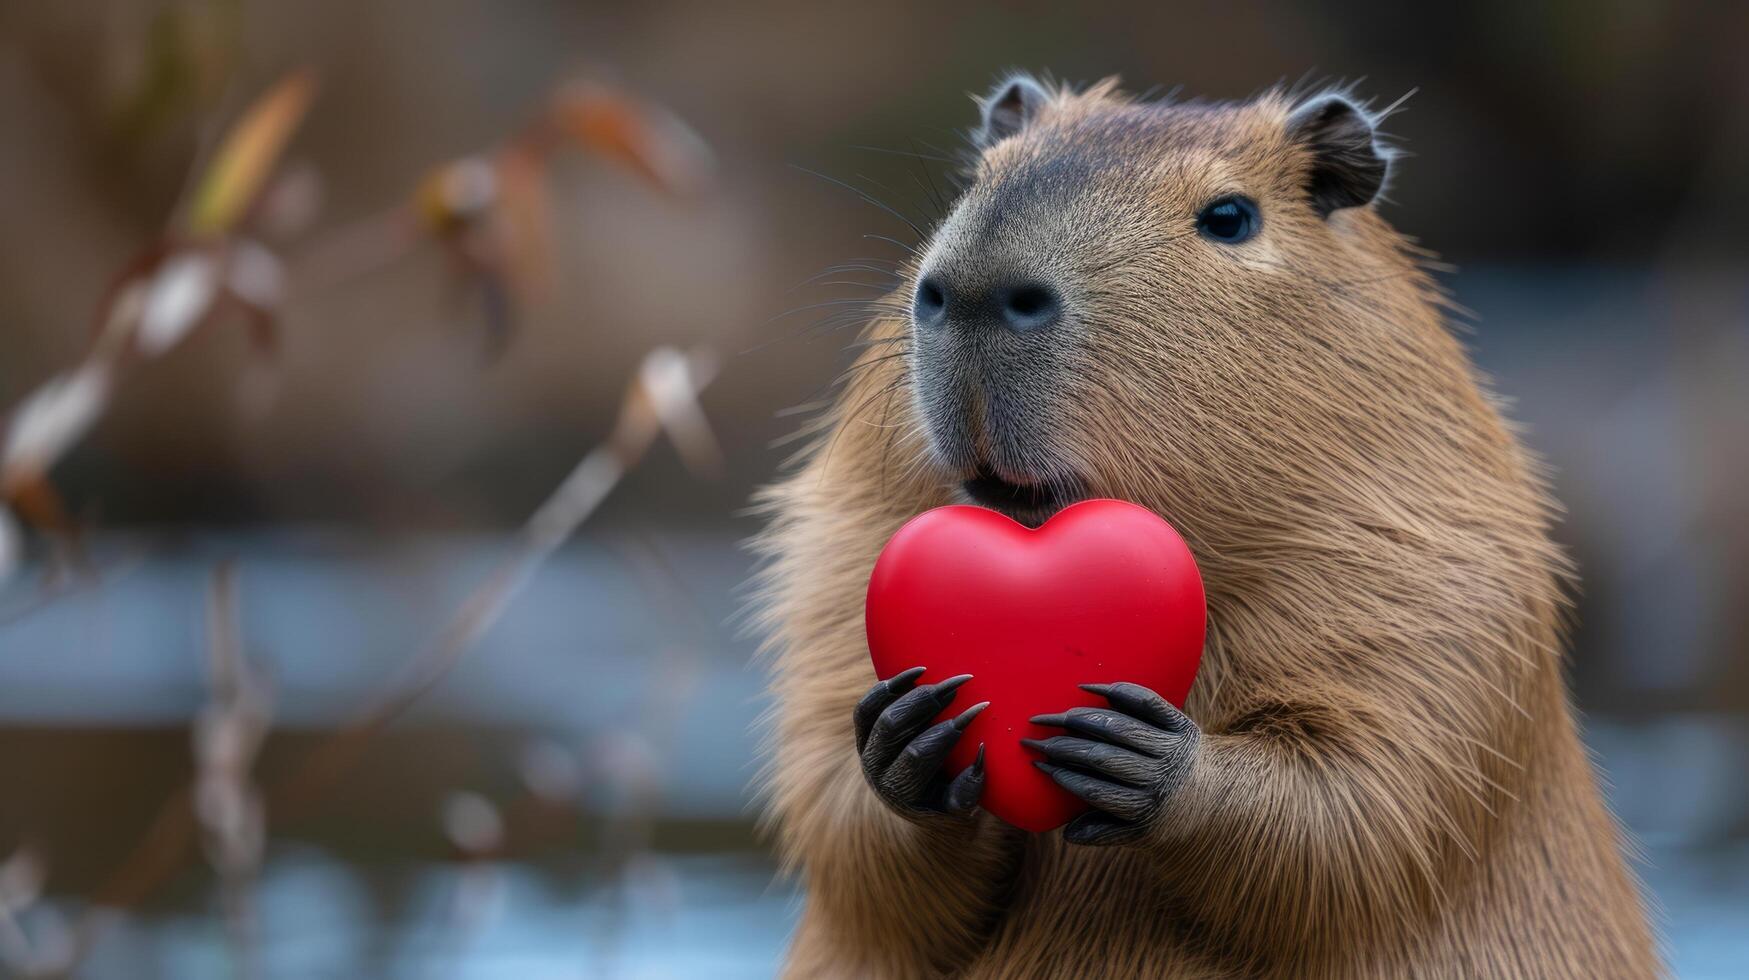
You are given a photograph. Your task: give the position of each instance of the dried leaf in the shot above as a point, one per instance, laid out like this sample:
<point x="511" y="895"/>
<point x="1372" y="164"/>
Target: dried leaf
<point x="247" y="156"/>
<point x="51" y="420"/>
<point x="179" y="297"/>
<point x="646" y="138"/>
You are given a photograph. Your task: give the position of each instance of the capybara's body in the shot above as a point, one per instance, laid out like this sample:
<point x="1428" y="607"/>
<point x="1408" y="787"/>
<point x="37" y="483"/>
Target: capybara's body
<point x="1389" y="780"/>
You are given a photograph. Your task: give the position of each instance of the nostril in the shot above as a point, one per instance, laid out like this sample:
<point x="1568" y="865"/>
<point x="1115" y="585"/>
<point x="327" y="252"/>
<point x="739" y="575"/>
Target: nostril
<point x="1028" y="301"/>
<point x="931" y="301"/>
<point x="1031" y="306"/>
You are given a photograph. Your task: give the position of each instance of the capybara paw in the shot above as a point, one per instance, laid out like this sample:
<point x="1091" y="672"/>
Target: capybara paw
<point x="902" y="752"/>
<point x="1125" y="760"/>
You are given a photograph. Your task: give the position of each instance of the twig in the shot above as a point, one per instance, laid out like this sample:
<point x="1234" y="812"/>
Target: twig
<point x="666" y="374"/>
<point x="486" y="210"/>
<point x="227" y="737"/>
<point x="210" y="263"/>
<point x="641" y="419"/>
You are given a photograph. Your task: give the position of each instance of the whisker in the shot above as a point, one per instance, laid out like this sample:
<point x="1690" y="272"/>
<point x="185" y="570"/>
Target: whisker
<point x="940" y="199"/>
<point x="903" y="153"/>
<point x="895" y="241"/>
<point x="824" y="304"/>
<point x="877" y="341"/>
<point x="871" y="199"/>
<point x="861" y="311"/>
<point x="887" y="446"/>
<point x="883" y="287"/>
<point x="843" y="268"/>
<point x="845" y="423"/>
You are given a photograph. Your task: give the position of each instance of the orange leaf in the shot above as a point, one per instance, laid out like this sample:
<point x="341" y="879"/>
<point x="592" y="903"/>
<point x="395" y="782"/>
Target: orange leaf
<point x="647" y="139"/>
<point x="247" y="155"/>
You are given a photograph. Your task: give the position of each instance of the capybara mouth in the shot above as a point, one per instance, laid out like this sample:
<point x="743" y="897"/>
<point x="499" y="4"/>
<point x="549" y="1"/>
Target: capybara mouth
<point x="1030" y="503"/>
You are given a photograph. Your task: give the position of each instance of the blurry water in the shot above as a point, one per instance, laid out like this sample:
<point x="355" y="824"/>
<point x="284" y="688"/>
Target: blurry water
<point x="718" y="917"/>
<point x="584" y="648"/>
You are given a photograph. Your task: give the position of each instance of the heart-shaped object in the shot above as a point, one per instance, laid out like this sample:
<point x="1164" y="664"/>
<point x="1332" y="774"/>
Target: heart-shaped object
<point x="1104" y="591"/>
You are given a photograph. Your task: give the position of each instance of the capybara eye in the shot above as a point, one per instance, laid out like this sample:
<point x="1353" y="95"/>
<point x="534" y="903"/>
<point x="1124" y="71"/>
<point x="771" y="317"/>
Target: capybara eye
<point x="1229" y="220"/>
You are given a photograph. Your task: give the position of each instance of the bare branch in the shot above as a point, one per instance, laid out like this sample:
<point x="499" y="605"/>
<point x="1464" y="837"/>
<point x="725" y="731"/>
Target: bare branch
<point x="227" y="737"/>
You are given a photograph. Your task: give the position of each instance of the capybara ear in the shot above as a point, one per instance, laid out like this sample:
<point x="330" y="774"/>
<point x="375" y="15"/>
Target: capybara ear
<point x="1348" y="164"/>
<point x="1009" y="107"/>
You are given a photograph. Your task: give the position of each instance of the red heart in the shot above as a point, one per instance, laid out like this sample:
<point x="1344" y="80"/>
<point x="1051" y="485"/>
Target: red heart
<point x="1103" y="591"/>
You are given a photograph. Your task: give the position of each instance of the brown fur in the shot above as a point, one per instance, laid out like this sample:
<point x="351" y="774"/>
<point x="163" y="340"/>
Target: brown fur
<point x="1390" y="782"/>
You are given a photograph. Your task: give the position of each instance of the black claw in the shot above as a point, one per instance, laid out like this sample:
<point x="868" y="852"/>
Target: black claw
<point x="967" y="788"/>
<point x="1097" y="829"/>
<point x="951" y="684"/>
<point x="1139" y="702"/>
<point x="1125" y="760"/>
<point x="1098" y="758"/>
<point x="917" y="764"/>
<point x="905" y="678"/>
<point x="1124" y="802"/>
<point x="933" y="745"/>
<point x="878" y="698"/>
<point x="902" y="747"/>
<point x="965" y="718"/>
<point x="905" y="718"/>
<point x="1107" y="725"/>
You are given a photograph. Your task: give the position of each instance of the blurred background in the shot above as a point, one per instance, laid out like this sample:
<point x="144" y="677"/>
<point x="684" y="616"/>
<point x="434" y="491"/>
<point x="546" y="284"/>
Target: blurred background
<point x="348" y="629"/>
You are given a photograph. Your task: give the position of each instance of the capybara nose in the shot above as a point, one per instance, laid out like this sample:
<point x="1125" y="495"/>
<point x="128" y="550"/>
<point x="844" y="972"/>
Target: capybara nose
<point x="929" y="306"/>
<point x="1021" y="306"/>
<point x="1029" y="306"/>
